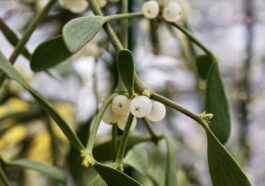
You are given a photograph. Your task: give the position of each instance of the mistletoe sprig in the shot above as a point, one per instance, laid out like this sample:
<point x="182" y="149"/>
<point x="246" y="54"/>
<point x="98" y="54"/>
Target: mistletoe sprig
<point x="131" y="99"/>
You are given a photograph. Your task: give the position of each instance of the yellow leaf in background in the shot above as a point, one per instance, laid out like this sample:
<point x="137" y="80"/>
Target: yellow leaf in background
<point x="68" y="113"/>
<point x="40" y="147"/>
<point x="17" y="104"/>
<point x="13" y="105"/>
<point x="12" y="136"/>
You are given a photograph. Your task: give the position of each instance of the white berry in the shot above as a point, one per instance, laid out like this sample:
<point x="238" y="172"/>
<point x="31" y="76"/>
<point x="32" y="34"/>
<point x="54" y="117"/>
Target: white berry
<point x="75" y="6"/>
<point x="109" y="117"/>
<point x="141" y="106"/>
<point x="120" y="105"/>
<point x="150" y="9"/>
<point x="158" y="111"/>
<point x="172" y="12"/>
<point x="122" y="123"/>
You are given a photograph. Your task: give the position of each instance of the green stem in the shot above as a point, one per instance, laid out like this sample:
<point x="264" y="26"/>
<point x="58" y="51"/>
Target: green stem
<point x="124" y="139"/>
<point x="30" y="29"/>
<point x="107" y="27"/>
<point x="179" y="108"/>
<point x="154" y="36"/>
<point x="194" y="39"/>
<point x="12" y="37"/>
<point x="114" y="139"/>
<point x="95" y="83"/>
<point x="155" y="137"/>
<point x="3" y="176"/>
<point x="123" y="16"/>
<point x="97" y="121"/>
<point x="124" y="25"/>
<point x="188" y="50"/>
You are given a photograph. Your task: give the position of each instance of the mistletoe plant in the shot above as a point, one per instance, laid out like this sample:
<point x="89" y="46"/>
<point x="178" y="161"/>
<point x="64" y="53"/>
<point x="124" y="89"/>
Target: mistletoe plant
<point x="130" y="101"/>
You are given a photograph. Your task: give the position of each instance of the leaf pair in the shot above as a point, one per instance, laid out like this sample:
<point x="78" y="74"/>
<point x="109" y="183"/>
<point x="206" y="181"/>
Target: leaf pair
<point x="76" y="34"/>
<point x="215" y="97"/>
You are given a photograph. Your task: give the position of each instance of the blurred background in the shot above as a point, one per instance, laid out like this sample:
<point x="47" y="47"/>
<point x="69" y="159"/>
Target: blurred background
<point x="234" y="30"/>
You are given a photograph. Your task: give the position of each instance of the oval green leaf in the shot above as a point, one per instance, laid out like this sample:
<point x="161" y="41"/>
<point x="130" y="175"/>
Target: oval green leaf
<point x="126" y="67"/>
<point x="137" y="158"/>
<point x="216" y="103"/>
<point x="114" y="177"/>
<point x="51" y="171"/>
<point x="49" y="53"/>
<point x="203" y="63"/>
<point x="12" y="73"/>
<point x="223" y="168"/>
<point x="78" y="32"/>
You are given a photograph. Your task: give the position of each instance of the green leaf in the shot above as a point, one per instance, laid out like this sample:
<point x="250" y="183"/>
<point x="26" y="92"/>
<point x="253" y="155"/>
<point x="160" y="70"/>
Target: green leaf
<point x="49" y="53"/>
<point x="12" y="37"/>
<point x="11" y="72"/>
<point x="78" y="32"/>
<point x="171" y="171"/>
<point x="137" y="158"/>
<point x="51" y="171"/>
<point x="114" y="177"/>
<point x="125" y="63"/>
<point x="203" y="63"/>
<point x="97" y="181"/>
<point x="158" y="162"/>
<point x="102" y="152"/>
<point x="223" y="168"/>
<point x="216" y="103"/>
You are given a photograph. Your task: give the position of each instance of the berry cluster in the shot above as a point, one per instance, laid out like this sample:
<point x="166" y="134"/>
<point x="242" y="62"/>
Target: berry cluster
<point x="171" y="11"/>
<point x="140" y="106"/>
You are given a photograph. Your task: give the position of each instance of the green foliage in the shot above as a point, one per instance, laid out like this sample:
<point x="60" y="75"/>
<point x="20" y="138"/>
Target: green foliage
<point x="97" y="181"/>
<point x="170" y="177"/>
<point x="203" y="63"/>
<point x="74" y="159"/>
<point x="216" y="103"/>
<point x="126" y="67"/>
<point x="49" y="170"/>
<point x="114" y="177"/>
<point x="102" y="152"/>
<point x="78" y="32"/>
<point x="223" y="168"/>
<point x="49" y="53"/>
<point x="11" y="72"/>
<point x="138" y="158"/>
<point x="159" y="166"/>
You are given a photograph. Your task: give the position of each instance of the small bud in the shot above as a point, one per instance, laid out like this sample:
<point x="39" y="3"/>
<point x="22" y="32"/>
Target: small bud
<point x="87" y="158"/>
<point x="207" y="116"/>
<point x="147" y="93"/>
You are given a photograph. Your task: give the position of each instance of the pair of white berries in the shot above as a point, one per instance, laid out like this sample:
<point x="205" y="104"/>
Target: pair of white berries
<point x="171" y="12"/>
<point x="140" y="106"/>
